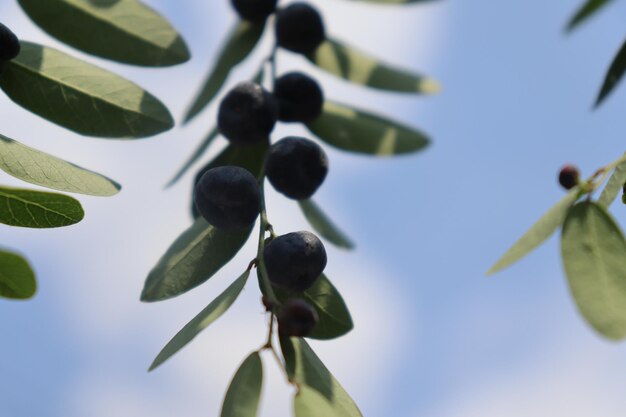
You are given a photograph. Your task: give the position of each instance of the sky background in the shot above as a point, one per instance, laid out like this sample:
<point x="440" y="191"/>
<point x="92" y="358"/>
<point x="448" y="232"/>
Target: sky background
<point x="434" y="337"/>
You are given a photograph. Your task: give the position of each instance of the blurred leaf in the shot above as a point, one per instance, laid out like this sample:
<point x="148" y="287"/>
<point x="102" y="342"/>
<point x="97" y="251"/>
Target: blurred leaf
<point x="334" y="317"/>
<point x="358" y="131"/>
<point x="309" y="403"/>
<point x="204" y="145"/>
<point x="39" y="168"/>
<point x="353" y="65"/>
<point x="306" y="369"/>
<point x="594" y="257"/>
<point x="613" y="186"/>
<point x="538" y="233"/>
<point x="242" y="40"/>
<point x="36" y="209"/>
<point x="192" y="259"/>
<point x="587" y="10"/>
<point x="614" y="75"/>
<point x="127" y="31"/>
<point x="323" y="225"/>
<point x="244" y="393"/>
<point x="207" y="316"/>
<point x="17" y="279"/>
<point x="81" y="97"/>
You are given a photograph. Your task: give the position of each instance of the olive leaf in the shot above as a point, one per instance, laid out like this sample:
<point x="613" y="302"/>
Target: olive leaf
<point x="204" y="145"/>
<point x="358" y="131"/>
<point x="309" y="403"/>
<point x="323" y="225"/>
<point x="39" y="168"/>
<point x="17" y="279"/>
<point x="207" y="316"/>
<point x="355" y="66"/>
<point x="613" y="76"/>
<point x="126" y="31"/>
<point x="192" y="259"/>
<point x="613" y="186"/>
<point x="36" y="209"/>
<point x="594" y="256"/>
<point x="242" y="40"/>
<point x="334" y="317"/>
<point x="80" y="96"/>
<point x="306" y="369"/>
<point x="588" y="9"/>
<point x="244" y="393"/>
<point x="538" y="233"/>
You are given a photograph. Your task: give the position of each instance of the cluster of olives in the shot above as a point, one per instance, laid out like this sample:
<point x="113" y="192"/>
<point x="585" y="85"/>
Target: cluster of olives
<point x="9" y="45"/>
<point x="230" y="198"/>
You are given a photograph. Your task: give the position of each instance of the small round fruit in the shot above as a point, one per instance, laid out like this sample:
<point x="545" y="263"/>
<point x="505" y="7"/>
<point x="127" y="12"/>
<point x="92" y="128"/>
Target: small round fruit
<point x="299" y="28"/>
<point x="294" y="261"/>
<point x="296" y="318"/>
<point x="228" y="197"/>
<point x="296" y="167"/>
<point x="254" y="10"/>
<point x="569" y="177"/>
<point x="300" y="98"/>
<point x="9" y="44"/>
<point x="247" y="114"/>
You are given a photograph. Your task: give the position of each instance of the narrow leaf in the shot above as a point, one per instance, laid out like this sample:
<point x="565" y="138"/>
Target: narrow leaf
<point x="358" y="131"/>
<point x="207" y="316"/>
<point x="594" y="257"/>
<point x="355" y="66"/>
<point x="538" y="233"/>
<point x="334" y="317"/>
<point x="242" y="40"/>
<point x="323" y="225"/>
<point x="309" y="403"/>
<point x="80" y="96"/>
<point x="39" y="168"/>
<point x="17" y="279"/>
<point x="193" y="258"/>
<point x="614" y="75"/>
<point x="36" y="209"/>
<point x="613" y="186"/>
<point x="588" y="9"/>
<point x="126" y="31"/>
<point x="244" y="393"/>
<point x="204" y="145"/>
<point x="306" y="369"/>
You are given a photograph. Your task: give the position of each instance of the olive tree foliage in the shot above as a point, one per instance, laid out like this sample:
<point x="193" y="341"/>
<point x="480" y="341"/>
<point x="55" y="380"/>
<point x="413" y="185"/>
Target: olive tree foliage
<point x="81" y="97"/>
<point x="593" y="247"/>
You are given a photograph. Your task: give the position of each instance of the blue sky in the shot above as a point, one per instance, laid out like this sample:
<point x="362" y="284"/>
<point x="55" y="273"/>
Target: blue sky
<point x="434" y="336"/>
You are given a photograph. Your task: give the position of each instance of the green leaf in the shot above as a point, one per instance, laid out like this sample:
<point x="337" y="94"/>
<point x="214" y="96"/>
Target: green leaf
<point x="323" y="225"/>
<point x="594" y="256"/>
<point x="81" y="97"/>
<point x="39" y="168"/>
<point x="538" y="233"/>
<point x="353" y="65"/>
<point x="306" y="369"/>
<point x="17" y="279"/>
<point x="358" y="131"/>
<point x="207" y="316"/>
<point x="36" y="209"/>
<point x="126" y="31"/>
<point x="204" y="145"/>
<point x="587" y="10"/>
<point x="244" y="393"/>
<point x="614" y="75"/>
<point x="192" y="259"/>
<point x="613" y="186"/>
<point x="242" y="40"/>
<point x="334" y="317"/>
<point x="309" y="403"/>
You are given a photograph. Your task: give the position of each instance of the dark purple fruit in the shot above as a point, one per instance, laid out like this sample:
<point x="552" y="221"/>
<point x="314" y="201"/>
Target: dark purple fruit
<point x="296" y="167"/>
<point x="299" y="28"/>
<point x="228" y="197"/>
<point x="9" y="44"/>
<point x="296" y="318"/>
<point x="300" y="98"/>
<point x="254" y="10"/>
<point x="569" y="176"/>
<point x="294" y="261"/>
<point x="247" y="114"/>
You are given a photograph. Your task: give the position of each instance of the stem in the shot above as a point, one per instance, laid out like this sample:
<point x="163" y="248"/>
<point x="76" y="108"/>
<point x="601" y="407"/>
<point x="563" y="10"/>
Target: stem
<point x="600" y="176"/>
<point x="264" y="281"/>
